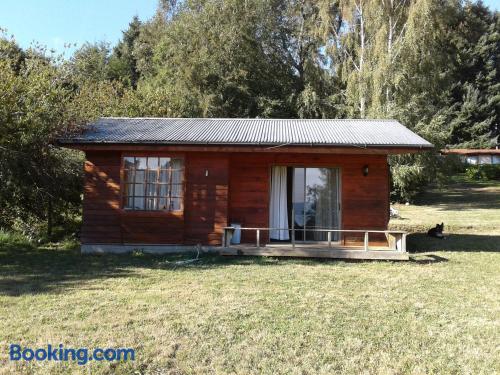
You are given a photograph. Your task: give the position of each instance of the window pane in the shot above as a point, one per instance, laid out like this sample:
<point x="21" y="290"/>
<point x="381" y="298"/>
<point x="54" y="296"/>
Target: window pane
<point x="139" y="176"/>
<point x="152" y="175"/>
<point x="152" y="163"/>
<point x="128" y="176"/>
<point x="298" y="196"/>
<point x="164" y="163"/>
<point x="140" y="163"/>
<point x="176" y="176"/>
<point x="484" y="159"/>
<point x="139" y="190"/>
<point x="139" y="203"/>
<point x="151" y="190"/>
<point x="129" y="203"/>
<point x="163" y="190"/>
<point x="128" y="162"/>
<point x="162" y="204"/>
<point x="472" y="160"/>
<point x="151" y="204"/>
<point x="176" y="190"/>
<point x="175" y="204"/>
<point x="163" y="176"/>
<point x="128" y="190"/>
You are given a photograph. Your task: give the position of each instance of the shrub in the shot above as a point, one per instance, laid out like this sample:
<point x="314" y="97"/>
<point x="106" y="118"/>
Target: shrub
<point x="451" y="164"/>
<point x="483" y="172"/>
<point x="407" y="181"/>
<point x="13" y="241"/>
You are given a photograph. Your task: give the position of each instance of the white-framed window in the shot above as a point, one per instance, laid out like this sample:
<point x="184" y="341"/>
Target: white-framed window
<point x="153" y="183"/>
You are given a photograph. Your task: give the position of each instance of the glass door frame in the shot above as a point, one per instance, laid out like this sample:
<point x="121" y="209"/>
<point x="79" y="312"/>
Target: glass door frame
<point x="339" y="197"/>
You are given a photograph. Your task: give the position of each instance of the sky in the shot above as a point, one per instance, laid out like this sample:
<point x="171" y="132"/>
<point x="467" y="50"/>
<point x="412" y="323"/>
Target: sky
<point x="54" y="23"/>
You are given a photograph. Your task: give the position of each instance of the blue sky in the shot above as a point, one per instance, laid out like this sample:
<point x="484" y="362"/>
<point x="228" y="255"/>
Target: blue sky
<point x="56" y="22"/>
<point x="493" y="4"/>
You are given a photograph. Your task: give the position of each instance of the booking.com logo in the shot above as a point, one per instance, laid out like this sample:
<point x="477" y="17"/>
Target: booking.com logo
<point x="60" y="353"/>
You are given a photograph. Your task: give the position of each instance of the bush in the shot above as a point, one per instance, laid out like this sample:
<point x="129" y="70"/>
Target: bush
<point x="483" y="172"/>
<point x="407" y="181"/>
<point x="13" y="241"/>
<point x="451" y="164"/>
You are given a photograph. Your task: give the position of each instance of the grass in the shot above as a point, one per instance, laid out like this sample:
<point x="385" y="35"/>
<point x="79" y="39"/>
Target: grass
<point x="462" y="205"/>
<point x="438" y="313"/>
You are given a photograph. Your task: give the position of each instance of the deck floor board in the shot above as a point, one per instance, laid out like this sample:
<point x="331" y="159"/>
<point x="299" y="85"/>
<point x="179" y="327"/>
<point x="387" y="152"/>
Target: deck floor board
<point x="315" y="251"/>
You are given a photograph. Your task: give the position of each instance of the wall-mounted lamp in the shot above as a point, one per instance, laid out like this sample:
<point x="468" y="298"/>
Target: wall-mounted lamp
<point x="206" y="172"/>
<point x="365" y="170"/>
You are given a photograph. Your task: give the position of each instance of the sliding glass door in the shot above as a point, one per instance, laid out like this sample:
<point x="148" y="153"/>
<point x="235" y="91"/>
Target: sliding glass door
<point x="315" y="202"/>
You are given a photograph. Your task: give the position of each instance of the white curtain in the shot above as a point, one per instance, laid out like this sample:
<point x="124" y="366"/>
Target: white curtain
<point x="278" y="211"/>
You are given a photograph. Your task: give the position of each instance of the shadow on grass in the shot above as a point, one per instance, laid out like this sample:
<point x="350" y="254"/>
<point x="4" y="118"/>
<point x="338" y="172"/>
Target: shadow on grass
<point x="462" y="196"/>
<point x="428" y="259"/>
<point x="420" y="242"/>
<point x="27" y="269"/>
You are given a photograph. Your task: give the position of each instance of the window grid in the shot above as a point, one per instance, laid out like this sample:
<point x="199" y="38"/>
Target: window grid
<point x="153" y="183"/>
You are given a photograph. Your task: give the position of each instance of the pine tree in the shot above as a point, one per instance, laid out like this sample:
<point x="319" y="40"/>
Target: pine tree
<point x="122" y="62"/>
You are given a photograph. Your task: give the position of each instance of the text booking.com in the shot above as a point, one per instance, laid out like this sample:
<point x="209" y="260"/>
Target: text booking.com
<point x="59" y="353"/>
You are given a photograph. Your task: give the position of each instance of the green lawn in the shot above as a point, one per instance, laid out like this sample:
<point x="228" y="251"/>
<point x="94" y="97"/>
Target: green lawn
<point x="463" y="206"/>
<point x="438" y="313"/>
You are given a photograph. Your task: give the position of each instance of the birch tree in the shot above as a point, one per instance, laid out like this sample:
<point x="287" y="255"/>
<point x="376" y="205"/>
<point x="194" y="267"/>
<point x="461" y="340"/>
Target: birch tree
<point x="351" y="46"/>
<point x="391" y="26"/>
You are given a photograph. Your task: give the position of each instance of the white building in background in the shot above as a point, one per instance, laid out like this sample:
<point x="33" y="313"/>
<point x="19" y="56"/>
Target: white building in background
<point x="475" y="156"/>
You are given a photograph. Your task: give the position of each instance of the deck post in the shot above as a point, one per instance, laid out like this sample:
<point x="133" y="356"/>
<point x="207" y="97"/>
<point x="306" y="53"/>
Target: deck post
<point x="403" y="243"/>
<point x="293" y="228"/>
<point x="329" y="239"/>
<point x="366" y="241"/>
<point x="229" y="231"/>
<point x="224" y="244"/>
<point x="258" y="238"/>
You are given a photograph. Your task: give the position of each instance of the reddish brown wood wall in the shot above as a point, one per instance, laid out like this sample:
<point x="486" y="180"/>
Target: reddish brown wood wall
<point x="101" y="198"/>
<point x="365" y="200"/>
<point x="205" y="204"/>
<point x="249" y="192"/>
<point x="235" y="190"/>
<point x="206" y="198"/>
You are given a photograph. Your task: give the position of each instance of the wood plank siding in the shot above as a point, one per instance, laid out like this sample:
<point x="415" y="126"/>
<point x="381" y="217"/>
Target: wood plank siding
<point x="221" y="188"/>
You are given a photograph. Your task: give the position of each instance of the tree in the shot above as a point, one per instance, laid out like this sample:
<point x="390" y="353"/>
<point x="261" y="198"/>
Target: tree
<point x="123" y="62"/>
<point x="302" y="42"/>
<point x="91" y="62"/>
<point x="351" y="49"/>
<point x="211" y="62"/>
<point x="476" y="96"/>
<point x="38" y="179"/>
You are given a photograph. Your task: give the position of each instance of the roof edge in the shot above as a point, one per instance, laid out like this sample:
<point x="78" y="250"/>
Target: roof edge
<point x="243" y="118"/>
<point x="274" y="145"/>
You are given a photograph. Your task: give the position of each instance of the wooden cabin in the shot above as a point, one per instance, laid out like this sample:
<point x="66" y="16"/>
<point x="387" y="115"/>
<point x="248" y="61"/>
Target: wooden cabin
<point x="241" y="186"/>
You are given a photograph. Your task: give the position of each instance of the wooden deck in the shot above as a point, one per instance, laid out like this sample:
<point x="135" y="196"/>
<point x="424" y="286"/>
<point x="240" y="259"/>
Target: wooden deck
<point x="316" y="251"/>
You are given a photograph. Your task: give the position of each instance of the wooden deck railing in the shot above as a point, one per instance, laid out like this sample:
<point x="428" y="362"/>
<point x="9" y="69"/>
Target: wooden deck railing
<point x="396" y="239"/>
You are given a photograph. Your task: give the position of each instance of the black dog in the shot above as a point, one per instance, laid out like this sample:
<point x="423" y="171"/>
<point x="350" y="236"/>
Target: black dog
<point x="437" y="231"/>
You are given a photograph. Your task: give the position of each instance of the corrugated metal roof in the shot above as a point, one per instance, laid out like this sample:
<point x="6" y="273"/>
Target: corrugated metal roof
<point x="242" y="131"/>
